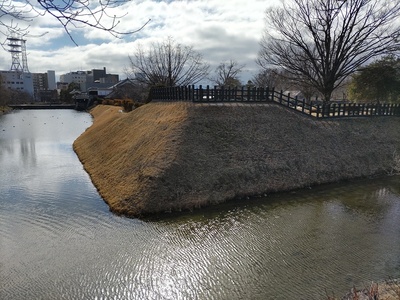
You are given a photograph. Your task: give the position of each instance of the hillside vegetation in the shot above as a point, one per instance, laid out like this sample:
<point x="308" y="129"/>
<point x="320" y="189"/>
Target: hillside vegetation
<point x="177" y="156"/>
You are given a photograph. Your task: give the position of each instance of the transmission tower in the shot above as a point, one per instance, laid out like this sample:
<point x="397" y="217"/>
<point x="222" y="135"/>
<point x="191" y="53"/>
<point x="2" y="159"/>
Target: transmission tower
<point x="17" y="48"/>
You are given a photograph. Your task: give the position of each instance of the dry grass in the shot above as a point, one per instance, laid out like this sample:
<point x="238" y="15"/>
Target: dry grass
<point x="388" y="290"/>
<point x="124" y="152"/>
<point x="174" y="156"/>
<point x="4" y="109"/>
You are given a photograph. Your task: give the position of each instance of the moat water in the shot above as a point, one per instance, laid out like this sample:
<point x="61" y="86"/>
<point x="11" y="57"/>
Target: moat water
<point x="58" y="239"/>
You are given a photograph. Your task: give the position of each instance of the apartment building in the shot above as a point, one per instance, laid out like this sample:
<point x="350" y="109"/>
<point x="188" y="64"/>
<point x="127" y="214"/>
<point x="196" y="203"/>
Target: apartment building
<point x="87" y="79"/>
<point x="44" y="86"/>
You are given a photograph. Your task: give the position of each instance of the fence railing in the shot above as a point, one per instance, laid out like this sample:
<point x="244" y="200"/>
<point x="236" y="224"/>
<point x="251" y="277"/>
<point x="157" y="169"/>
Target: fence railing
<point x="269" y="95"/>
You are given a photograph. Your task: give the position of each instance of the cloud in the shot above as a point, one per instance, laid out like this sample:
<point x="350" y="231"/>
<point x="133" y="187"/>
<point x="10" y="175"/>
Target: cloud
<point x="219" y="30"/>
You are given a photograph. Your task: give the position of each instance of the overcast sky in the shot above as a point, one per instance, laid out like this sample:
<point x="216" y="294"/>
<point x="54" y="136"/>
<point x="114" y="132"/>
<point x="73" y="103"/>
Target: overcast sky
<point x="219" y="30"/>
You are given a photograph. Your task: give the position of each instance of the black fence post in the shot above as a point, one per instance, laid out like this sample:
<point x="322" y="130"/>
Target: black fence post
<point x="150" y="96"/>
<point x="206" y="94"/>
<point x="235" y="94"/>
<point x="334" y="109"/>
<point x="287" y="99"/>
<point x="217" y="93"/>
<point x="161" y="93"/>
<point x="194" y="93"/>
<point x="261" y="94"/>
<point x="183" y="98"/>
<point x="318" y="110"/>
<point x="272" y="94"/>
<point x="267" y="94"/>
<point x="200" y="93"/>
<point x="168" y="94"/>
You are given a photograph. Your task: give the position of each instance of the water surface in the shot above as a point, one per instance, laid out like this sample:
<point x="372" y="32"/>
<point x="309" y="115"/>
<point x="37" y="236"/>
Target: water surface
<point x="58" y="239"/>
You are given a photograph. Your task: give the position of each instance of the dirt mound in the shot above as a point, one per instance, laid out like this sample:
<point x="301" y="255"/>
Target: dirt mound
<point x="176" y="156"/>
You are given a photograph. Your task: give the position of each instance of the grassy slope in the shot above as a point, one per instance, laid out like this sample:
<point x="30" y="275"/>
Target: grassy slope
<point x="172" y="156"/>
<point x="122" y="152"/>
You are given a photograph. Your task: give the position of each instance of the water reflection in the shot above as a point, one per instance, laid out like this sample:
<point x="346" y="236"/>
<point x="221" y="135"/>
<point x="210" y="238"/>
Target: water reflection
<point x="28" y="151"/>
<point x="59" y="241"/>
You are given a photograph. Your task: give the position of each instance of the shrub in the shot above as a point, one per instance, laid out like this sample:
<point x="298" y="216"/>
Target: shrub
<point x="128" y="105"/>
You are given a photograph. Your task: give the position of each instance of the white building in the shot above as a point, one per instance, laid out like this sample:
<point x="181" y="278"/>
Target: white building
<point x="17" y="81"/>
<point x="77" y="77"/>
<point x="86" y="79"/>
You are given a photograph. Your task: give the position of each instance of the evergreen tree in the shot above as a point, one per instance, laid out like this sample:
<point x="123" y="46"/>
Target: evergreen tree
<point x="377" y="82"/>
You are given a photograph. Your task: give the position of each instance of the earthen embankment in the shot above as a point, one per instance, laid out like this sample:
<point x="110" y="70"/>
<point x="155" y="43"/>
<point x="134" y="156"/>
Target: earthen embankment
<point x="177" y="156"/>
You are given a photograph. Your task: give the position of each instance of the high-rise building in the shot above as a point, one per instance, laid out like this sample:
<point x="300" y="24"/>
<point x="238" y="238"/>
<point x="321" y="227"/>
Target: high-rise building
<point x="44" y="85"/>
<point x="51" y="80"/>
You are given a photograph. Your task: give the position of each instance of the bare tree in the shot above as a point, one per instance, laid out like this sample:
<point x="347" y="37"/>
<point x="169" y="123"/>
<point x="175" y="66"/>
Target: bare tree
<point x="227" y="73"/>
<point x="278" y="79"/>
<point x="268" y="77"/>
<point x="15" y="16"/>
<point x="168" y="64"/>
<point x="321" y="42"/>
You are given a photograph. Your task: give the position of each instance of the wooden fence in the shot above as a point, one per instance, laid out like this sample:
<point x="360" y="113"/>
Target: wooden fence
<point x="267" y="95"/>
